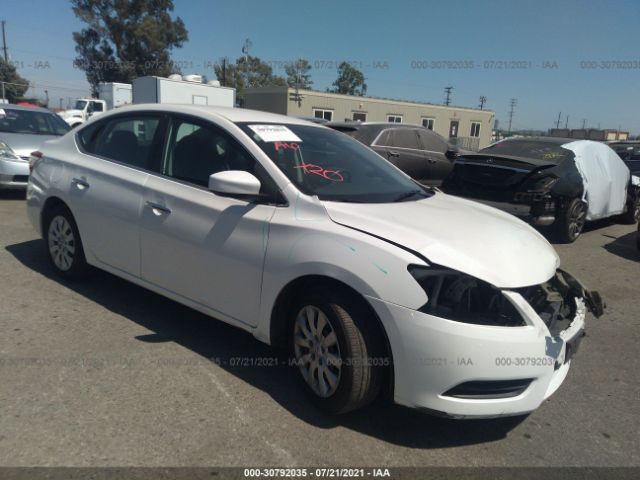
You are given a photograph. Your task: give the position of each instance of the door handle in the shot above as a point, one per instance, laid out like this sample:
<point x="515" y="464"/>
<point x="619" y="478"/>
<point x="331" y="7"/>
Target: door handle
<point x="157" y="208"/>
<point x="392" y="153"/>
<point x="80" y="183"/>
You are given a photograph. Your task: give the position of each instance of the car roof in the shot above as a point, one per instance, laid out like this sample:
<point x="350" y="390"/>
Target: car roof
<point x="11" y="106"/>
<point x="235" y="115"/>
<point x="356" y="125"/>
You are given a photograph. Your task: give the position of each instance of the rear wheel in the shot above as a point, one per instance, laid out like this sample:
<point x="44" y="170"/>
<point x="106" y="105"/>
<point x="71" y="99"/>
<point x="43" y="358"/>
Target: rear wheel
<point x="338" y="350"/>
<point x="64" y="245"/>
<point x="570" y="221"/>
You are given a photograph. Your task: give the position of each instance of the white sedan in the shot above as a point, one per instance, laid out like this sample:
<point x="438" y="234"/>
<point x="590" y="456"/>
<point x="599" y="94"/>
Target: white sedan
<point x="308" y="239"/>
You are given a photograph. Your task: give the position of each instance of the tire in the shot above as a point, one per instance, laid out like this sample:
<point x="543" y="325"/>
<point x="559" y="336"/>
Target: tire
<point x="632" y="215"/>
<point x="571" y="220"/>
<point x="64" y="246"/>
<point x="355" y="359"/>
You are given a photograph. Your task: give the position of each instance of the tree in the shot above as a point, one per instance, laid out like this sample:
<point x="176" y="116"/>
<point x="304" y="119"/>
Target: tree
<point x="125" y="39"/>
<point x="350" y="81"/>
<point x="247" y="72"/>
<point x="15" y="86"/>
<point x="298" y="74"/>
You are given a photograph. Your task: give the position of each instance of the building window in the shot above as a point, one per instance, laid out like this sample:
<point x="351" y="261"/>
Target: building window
<point x="475" y="129"/>
<point x="394" y="118"/>
<point x="325" y="114"/>
<point x="428" y="123"/>
<point x="359" y="117"/>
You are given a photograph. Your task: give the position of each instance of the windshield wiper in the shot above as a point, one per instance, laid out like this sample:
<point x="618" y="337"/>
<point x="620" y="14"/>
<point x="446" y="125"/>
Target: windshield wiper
<point x="406" y="195"/>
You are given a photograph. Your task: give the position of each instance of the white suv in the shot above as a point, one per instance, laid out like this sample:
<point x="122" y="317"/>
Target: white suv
<point x="308" y="239"/>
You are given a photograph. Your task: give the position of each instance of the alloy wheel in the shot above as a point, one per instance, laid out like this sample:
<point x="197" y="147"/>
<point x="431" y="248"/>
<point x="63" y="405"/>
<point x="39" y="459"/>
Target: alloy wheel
<point x="62" y="244"/>
<point x="577" y="217"/>
<point x="316" y="351"/>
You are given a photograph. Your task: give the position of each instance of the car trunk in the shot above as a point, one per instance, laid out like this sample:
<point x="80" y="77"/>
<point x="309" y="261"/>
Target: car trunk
<point x="492" y="177"/>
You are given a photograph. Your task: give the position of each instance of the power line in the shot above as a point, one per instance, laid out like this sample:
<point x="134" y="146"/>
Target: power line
<point x="447" y="91"/>
<point x="513" y="104"/>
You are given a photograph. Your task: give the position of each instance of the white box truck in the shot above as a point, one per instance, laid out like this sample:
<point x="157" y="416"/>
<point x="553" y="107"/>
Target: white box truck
<point x="110" y="95"/>
<point x="187" y="91"/>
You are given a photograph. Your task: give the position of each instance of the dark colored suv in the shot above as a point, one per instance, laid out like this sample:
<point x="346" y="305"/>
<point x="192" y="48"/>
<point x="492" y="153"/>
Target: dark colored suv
<point x="421" y="153"/>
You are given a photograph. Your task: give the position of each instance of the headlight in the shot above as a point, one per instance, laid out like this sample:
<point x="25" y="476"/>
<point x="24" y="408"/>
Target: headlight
<point x="456" y="296"/>
<point x="7" y="154"/>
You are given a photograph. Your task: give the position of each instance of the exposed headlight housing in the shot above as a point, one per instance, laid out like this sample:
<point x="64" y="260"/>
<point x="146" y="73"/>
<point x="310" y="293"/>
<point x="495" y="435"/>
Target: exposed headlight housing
<point x="6" y="153"/>
<point x="543" y="184"/>
<point x="460" y="297"/>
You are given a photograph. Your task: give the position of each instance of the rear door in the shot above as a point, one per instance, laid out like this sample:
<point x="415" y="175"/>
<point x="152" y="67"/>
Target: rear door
<point x="435" y="148"/>
<point x="402" y="148"/>
<point x="201" y="246"/>
<point x="106" y="185"/>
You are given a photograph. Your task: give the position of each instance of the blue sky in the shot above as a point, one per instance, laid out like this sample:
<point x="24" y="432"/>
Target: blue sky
<point x="393" y="42"/>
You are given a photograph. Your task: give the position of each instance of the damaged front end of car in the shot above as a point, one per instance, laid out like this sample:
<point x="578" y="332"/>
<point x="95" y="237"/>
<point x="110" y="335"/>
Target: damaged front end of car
<point x="462" y="298"/>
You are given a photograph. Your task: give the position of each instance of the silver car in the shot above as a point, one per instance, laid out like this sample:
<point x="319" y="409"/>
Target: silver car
<point x="22" y="131"/>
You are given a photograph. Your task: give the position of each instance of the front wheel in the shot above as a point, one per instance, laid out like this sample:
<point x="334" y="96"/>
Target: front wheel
<point x="570" y="221"/>
<point x="632" y="215"/>
<point x="338" y="350"/>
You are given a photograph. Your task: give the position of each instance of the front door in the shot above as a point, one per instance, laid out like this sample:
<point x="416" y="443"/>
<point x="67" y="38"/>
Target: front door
<point x="205" y="247"/>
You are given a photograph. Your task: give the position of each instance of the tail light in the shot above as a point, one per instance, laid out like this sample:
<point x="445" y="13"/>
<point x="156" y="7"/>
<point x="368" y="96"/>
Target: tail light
<point x="33" y="159"/>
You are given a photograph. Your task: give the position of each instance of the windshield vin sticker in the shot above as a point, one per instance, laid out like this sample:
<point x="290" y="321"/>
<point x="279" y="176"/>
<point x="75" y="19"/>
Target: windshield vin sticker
<point x="274" y="133"/>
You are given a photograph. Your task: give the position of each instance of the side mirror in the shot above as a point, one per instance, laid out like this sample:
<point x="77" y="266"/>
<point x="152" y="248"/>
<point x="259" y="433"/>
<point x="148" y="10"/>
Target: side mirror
<point x="452" y="152"/>
<point x="234" y="183"/>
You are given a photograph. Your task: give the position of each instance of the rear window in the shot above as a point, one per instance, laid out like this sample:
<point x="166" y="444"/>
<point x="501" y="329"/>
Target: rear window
<point x="539" y="150"/>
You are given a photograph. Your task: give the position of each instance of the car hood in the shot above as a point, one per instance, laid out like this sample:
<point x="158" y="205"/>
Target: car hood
<point x="459" y="234"/>
<point x="23" y="143"/>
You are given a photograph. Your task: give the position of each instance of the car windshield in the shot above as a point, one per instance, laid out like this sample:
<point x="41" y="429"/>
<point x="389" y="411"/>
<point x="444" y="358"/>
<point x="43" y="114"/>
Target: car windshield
<point x="333" y="166"/>
<point x="80" y="104"/>
<point x="31" y="122"/>
<point x="540" y="150"/>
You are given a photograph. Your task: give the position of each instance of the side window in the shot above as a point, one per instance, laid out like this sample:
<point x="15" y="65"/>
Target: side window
<point x="97" y="107"/>
<point x="127" y="140"/>
<point x="404" y="138"/>
<point x="432" y="141"/>
<point x="197" y="150"/>
<point x="383" y="139"/>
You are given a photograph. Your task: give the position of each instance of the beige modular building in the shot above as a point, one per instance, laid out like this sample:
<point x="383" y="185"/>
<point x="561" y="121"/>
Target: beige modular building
<point x="470" y="127"/>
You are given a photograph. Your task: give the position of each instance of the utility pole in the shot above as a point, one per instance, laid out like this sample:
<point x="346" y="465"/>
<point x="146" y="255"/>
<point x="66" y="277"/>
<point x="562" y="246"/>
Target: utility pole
<point x="60" y="103"/>
<point x="483" y="100"/>
<point x="447" y="91"/>
<point x="566" y="122"/>
<point x="245" y="49"/>
<point x="558" y="122"/>
<point x="513" y="104"/>
<point x="224" y="72"/>
<point x="46" y="94"/>
<point x="584" y="123"/>
<point x="4" y="44"/>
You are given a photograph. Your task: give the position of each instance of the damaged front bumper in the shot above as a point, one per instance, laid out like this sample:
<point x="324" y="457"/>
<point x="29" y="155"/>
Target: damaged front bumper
<point x="464" y="370"/>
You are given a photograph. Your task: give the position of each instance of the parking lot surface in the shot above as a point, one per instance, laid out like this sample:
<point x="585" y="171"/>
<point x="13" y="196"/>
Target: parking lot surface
<point x="105" y="373"/>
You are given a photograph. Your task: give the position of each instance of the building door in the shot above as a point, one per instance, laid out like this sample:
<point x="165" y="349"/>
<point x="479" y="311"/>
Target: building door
<point x="453" y="129"/>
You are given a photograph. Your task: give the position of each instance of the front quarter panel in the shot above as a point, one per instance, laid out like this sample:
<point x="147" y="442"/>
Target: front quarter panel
<point x="304" y="241"/>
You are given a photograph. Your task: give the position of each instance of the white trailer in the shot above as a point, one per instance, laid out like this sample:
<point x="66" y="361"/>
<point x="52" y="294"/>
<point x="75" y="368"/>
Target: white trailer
<point x="115" y="94"/>
<point x="174" y="90"/>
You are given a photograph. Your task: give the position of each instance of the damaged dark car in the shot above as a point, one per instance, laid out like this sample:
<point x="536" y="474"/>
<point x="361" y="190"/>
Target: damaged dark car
<point x="549" y="182"/>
